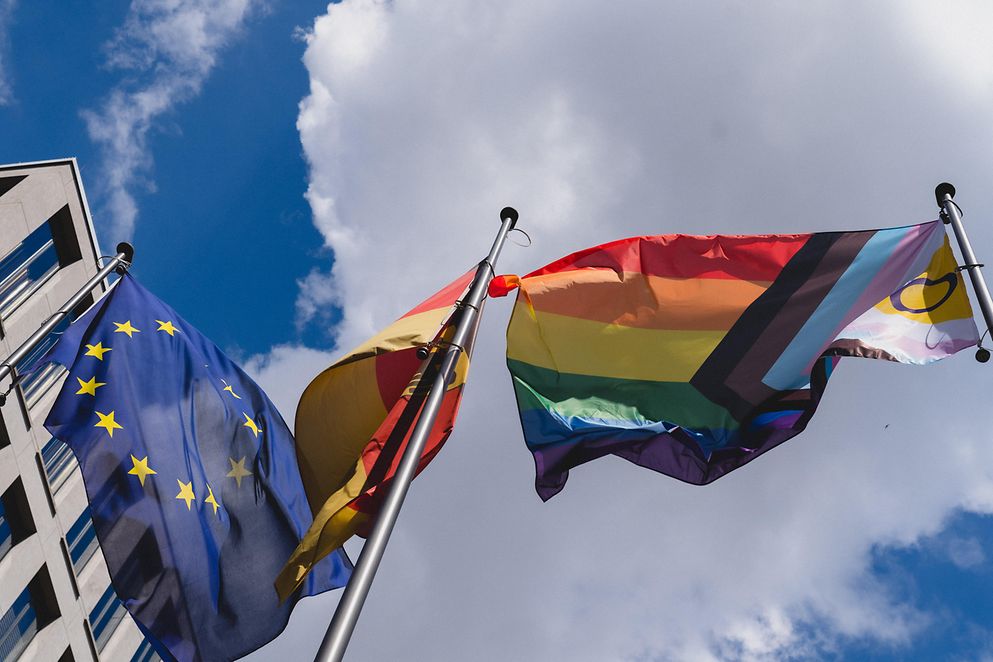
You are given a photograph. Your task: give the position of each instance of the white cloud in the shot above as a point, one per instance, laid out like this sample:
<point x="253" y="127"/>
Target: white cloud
<point x="284" y="373"/>
<point x="965" y="552"/>
<point x="425" y="118"/>
<point x="318" y="298"/>
<point x="165" y="50"/>
<point x="6" y="16"/>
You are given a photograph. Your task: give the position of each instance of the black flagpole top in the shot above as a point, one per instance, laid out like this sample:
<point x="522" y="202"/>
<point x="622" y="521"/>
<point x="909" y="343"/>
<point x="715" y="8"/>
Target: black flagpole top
<point x="511" y="213"/>
<point x="128" y="251"/>
<point x="939" y="193"/>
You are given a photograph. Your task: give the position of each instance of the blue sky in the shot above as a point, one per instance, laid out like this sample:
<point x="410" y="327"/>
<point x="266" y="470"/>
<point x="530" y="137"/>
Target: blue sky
<point x="221" y="182"/>
<point x="294" y="193"/>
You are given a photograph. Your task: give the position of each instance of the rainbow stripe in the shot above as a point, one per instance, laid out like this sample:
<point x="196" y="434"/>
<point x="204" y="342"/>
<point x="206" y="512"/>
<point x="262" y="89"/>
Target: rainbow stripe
<point x="693" y="355"/>
<point x="353" y="423"/>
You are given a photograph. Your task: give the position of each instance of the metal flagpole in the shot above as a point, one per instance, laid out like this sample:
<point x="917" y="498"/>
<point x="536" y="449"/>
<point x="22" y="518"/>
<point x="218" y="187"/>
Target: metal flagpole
<point x="345" y="616"/>
<point x="950" y="213"/>
<point x="120" y="262"/>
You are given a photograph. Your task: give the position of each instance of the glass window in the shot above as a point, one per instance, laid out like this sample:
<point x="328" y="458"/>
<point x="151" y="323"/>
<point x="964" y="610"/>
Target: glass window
<point x="16" y="523"/>
<point x="17" y="627"/>
<point x="26" y="267"/>
<point x="105" y="617"/>
<point x="23" y="270"/>
<point x="145" y="653"/>
<point x="59" y="463"/>
<point x="82" y="540"/>
<point x="34" y="385"/>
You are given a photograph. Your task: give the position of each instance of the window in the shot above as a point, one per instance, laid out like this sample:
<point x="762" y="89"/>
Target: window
<point x="32" y="610"/>
<point x="26" y="267"/>
<point x="46" y="607"/>
<point x="17" y="522"/>
<point x="32" y="262"/>
<point x="59" y="463"/>
<point x="82" y="540"/>
<point x="35" y="384"/>
<point x="105" y="617"/>
<point x="145" y="653"/>
<point x="17" y="627"/>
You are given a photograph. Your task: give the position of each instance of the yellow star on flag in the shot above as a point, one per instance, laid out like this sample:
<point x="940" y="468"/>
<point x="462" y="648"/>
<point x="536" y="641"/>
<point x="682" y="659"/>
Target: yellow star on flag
<point x="250" y="424"/>
<point x="108" y="423"/>
<point x="238" y="470"/>
<point x="141" y="469"/>
<point x="97" y="350"/>
<point x="167" y="327"/>
<point x="126" y="328"/>
<point x="211" y="500"/>
<point x="230" y="389"/>
<point x="90" y="387"/>
<point x="186" y="492"/>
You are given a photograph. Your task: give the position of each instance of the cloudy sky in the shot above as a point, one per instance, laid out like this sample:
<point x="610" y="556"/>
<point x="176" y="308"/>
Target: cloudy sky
<point x="295" y="175"/>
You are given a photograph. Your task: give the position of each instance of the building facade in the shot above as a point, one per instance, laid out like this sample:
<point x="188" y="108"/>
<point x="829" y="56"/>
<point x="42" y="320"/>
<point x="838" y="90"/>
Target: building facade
<point x="56" y="601"/>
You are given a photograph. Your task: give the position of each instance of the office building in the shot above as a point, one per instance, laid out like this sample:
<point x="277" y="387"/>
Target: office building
<point x="56" y="601"/>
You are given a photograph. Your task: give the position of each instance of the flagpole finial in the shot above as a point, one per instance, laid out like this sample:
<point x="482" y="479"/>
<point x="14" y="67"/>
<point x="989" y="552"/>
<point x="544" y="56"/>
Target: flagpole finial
<point x="511" y="213"/>
<point x="942" y="189"/>
<point x="127" y="250"/>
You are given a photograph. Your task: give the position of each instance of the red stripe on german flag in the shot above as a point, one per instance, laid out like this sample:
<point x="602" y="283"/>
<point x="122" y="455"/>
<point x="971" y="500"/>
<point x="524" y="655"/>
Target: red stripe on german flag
<point x="353" y="423"/>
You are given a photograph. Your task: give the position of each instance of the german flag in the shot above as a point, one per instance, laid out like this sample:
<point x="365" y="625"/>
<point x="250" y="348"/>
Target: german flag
<point x="355" y="418"/>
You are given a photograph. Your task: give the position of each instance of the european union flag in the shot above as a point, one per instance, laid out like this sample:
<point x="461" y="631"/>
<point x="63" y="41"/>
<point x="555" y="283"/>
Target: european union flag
<point x="191" y="475"/>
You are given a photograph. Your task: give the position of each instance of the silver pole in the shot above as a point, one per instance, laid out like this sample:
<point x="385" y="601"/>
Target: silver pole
<point x="121" y="261"/>
<point x="345" y="616"/>
<point x="950" y="213"/>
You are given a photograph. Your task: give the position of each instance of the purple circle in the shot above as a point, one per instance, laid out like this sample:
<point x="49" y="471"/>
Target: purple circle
<point x="949" y="278"/>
